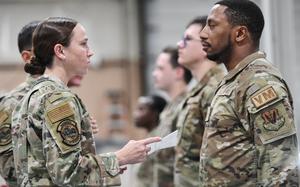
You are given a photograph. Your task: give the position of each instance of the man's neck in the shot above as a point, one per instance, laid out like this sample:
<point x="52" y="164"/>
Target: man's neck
<point x="152" y="126"/>
<point x="238" y="55"/>
<point x="178" y="88"/>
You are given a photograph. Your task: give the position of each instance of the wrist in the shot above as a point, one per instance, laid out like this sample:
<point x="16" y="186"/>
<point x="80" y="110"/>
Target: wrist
<point x="120" y="158"/>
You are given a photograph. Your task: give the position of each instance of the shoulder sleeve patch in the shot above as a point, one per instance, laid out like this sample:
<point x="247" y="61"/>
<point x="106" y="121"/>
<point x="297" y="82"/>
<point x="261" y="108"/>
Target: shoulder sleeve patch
<point x="69" y="132"/>
<point x="3" y="116"/>
<point x="5" y="131"/>
<point x="64" y="127"/>
<point x="5" y="136"/>
<point x="60" y="112"/>
<point x="264" y="96"/>
<point x="274" y="123"/>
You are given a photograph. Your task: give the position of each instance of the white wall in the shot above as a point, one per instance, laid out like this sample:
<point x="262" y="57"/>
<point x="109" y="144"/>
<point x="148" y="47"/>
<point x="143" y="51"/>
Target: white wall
<point x="104" y="21"/>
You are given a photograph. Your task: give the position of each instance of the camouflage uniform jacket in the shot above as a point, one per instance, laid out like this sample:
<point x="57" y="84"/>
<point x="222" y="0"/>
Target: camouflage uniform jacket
<point x="191" y="124"/>
<point x="164" y="159"/>
<point x="250" y="137"/>
<point x="53" y="141"/>
<point x="7" y="105"/>
<point x="145" y="170"/>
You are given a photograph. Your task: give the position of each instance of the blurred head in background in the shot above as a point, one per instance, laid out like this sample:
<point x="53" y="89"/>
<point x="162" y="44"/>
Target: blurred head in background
<point x="189" y="47"/>
<point x="25" y="40"/>
<point x="146" y="114"/>
<point x="168" y="71"/>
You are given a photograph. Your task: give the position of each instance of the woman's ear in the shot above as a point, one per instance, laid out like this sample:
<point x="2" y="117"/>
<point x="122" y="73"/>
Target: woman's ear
<point x="59" y="51"/>
<point x="26" y="56"/>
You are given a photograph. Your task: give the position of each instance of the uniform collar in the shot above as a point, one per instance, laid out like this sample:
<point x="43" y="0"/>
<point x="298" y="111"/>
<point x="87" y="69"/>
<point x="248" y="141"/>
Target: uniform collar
<point x="179" y="97"/>
<point x="30" y="79"/>
<point x="211" y="73"/>
<point x="243" y="64"/>
<point x="55" y="79"/>
<point x="205" y="79"/>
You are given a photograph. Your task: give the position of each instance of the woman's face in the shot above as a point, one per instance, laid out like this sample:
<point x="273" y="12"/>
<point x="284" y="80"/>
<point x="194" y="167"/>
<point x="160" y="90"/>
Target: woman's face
<point x="78" y="53"/>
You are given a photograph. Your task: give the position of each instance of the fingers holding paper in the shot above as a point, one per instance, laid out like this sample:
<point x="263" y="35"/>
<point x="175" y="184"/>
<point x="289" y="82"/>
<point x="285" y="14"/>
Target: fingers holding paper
<point x="135" y="151"/>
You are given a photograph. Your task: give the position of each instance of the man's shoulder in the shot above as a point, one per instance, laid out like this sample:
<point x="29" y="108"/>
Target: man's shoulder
<point x="257" y="76"/>
<point x="258" y="70"/>
<point x="16" y="95"/>
<point x="217" y="74"/>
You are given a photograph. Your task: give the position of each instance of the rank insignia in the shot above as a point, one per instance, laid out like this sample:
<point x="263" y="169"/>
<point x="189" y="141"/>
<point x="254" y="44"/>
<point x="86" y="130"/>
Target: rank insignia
<point x="69" y="132"/>
<point x="5" y="134"/>
<point x="272" y="120"/>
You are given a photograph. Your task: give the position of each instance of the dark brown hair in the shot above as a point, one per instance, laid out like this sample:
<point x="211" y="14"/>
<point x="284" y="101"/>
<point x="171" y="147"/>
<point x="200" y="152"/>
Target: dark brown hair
<point x="25" y="36"/>
<point x="52" y="31"/>
<point x="200" y="20"/>
<point x="173" y="52"/>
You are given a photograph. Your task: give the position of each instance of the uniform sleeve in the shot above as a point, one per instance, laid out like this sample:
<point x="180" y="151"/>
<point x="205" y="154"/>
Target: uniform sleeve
<point x="7" y="169"/>
<point x="191" y="131"/>
<point x="271" y="117"/>
<point x="67" y="159"/>
<point x="111" y="165"/>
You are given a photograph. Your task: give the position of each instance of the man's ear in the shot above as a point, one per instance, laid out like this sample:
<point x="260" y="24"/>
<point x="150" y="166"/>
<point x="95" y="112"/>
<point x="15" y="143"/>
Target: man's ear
<point x="26" y="56"/>
<point x="179" y="73"/>
<point x="59" y="51"/>
<point x="241" y="33"/>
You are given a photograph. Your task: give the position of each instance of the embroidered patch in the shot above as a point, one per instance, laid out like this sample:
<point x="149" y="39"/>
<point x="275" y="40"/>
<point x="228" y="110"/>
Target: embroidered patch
<point x="274" y="123"/>
<point x="55" y="97"/>
<point x="69" y="132"/>
<point x="263" y="97"/>
<point x="5" y="134"/>
<point x="272" y="120"/>
<point x="60" y="112"/>
<point x="3" y="116"/>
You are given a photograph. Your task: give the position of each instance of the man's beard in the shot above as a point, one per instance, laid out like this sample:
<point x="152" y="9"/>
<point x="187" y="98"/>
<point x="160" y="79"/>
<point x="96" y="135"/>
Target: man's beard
<point x="223" y="55"/>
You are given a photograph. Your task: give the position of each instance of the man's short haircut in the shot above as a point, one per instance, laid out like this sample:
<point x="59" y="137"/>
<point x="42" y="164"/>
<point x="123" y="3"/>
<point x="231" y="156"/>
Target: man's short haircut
<point x="200" y="20"/>
<point x="25" y="36"/>
<point x="246" y="13"/>
<point x="173" y="52"/>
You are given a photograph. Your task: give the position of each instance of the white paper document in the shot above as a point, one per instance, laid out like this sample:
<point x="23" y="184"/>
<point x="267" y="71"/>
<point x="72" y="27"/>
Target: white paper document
<point x="168" y="141"/>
